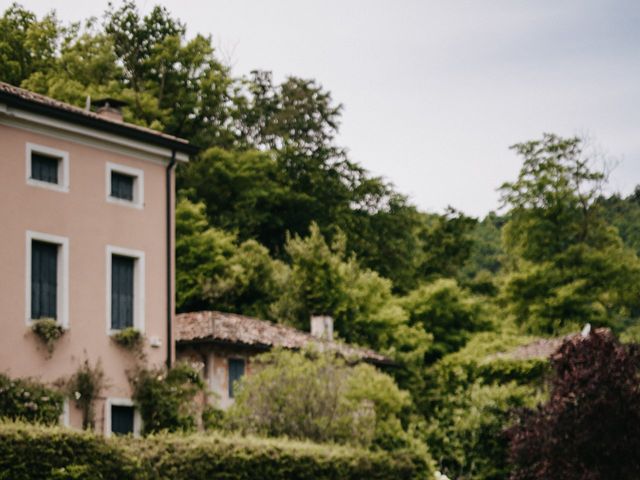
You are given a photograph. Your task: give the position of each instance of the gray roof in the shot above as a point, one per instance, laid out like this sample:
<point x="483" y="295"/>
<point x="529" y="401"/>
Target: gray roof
<point x="234" y="329"/>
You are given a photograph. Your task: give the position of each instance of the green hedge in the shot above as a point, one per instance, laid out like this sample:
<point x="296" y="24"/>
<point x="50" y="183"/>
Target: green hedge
<point x="29" y="452"/>
<point x="38" y="452"/>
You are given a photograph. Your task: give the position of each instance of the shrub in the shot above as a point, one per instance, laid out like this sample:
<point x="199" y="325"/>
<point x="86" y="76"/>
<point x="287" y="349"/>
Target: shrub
<point x="36" y="453"/>
<point x="318" y="397"/>
<point x="129" y="338"/>
<point x="84" y="387"/>
<point x="29" y="400"/>
<point x="49" y="331"/>
<point x="166" y="398"/>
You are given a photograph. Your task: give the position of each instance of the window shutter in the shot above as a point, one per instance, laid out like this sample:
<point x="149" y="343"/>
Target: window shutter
<point x="236" y="372"/>
<point x="44" y="168"/>
<point x="121" y="292"/>
<point x="44" y="280"/>
<point x="121" y="419"/>
<point x="122" y="186"/>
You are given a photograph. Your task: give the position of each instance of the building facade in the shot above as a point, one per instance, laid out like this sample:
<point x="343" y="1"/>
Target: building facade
<point x="86" y="208"/>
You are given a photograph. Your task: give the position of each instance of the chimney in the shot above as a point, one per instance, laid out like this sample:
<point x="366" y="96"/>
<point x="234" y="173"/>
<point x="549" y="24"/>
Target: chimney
<point x="110" y="108"/>
<point x="322" y="327"/>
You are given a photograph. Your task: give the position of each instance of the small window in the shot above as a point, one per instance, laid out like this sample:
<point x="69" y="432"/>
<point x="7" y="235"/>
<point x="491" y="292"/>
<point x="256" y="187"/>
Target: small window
<point x="236" y="372"/>
<point x="44" y="280"/>
<point x="122" y="292"/>
<point x="44" y="168"/>
<point x="122" y="186"/>
<point x="47" y="167"/>
<point x="122" y="419"/>
<point x="125" y="185"/>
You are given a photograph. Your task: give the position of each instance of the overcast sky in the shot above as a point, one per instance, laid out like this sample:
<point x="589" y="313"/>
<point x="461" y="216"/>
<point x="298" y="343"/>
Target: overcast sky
<point x="434" y="92"/>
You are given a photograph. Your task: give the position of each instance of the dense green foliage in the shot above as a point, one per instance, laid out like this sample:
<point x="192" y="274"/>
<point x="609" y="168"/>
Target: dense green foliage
<point x="468" y="398"/>
<point x="569" y="265"/>
<point x="29" y="400"/>
<point x="165" y="399"/>
<point x="318" y="396"/>
<point x="34" y="452"/>
<point x="38" y="453"/>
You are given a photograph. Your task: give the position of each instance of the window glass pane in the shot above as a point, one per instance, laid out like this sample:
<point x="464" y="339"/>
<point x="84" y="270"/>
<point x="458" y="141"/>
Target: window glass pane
<point x="44" y="168"/>
<point x="121" y="419"/>
<point x="44" y="279"/>
<point x="122" y="186"/>
<point x="236" y="372"/>
<point x="121" y="292"/>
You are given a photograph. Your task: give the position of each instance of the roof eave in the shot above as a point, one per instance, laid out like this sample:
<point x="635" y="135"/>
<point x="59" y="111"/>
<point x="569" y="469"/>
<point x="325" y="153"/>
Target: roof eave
<point x="99" y="124"/>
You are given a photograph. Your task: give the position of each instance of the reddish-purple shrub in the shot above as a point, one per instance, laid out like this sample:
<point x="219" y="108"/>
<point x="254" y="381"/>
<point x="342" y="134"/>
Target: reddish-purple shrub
<point x="589" y="429"/>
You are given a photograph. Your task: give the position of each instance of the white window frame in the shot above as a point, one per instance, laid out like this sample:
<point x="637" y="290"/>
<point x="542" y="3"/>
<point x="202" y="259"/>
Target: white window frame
<point x="62" y="293"/>
<point x="63" y="167"/>
<point x="65" y="420"/>
<point x="120" y="402"/>
<point x="138" y="185"/>
<point x="138" y="286"/>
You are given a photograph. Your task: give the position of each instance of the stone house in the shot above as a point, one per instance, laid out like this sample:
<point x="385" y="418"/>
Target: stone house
<point x="224" y="344"/>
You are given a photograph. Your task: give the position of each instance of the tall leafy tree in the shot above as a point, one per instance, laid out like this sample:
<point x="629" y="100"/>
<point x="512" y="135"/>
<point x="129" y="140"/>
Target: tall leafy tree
<point x="569" y="266"/>
<point x="215" y="271"/>
<point x="27" y="45"/>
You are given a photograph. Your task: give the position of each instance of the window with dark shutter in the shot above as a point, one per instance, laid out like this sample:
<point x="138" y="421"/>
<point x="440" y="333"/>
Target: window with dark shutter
<point x="236" y="372"/>
<point x="122" y="186"/>
<point x="44" y="280"/>
<point x="121" y="419"/>
<point x="121" y="292"/>
<point x="44" y="168"/>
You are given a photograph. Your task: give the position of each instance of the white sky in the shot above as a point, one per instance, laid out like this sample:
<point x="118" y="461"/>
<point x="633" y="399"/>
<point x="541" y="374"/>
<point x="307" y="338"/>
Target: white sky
<point x="435" y="91"/>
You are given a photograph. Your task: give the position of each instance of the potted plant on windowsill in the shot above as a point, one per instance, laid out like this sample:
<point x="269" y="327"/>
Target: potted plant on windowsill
<point x="129" y="338"/>
<point x="49" y="331"/>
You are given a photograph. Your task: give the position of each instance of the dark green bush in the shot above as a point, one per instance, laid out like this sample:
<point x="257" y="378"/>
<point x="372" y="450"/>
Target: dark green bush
<point x="36" y="452"/>
<point x="246" y="458"/>
<point x="32" y="452"/>
<point x="166" y="398"/>
<point x="29" y="400"/>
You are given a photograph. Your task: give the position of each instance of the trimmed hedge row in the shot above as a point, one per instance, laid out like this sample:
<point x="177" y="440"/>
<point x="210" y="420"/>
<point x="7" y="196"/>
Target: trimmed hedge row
<point x="38" y="452"/>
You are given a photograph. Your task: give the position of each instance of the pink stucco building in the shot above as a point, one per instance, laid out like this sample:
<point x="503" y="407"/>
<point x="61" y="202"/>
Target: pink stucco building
<point x="86" y="223"/>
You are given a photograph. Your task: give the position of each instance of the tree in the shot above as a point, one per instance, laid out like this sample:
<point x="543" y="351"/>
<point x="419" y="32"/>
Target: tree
<point x="446" y="311"/>
<point x="215" y="271"/>
<point x="568" y="266"/>
<point x="27" y="45"/>
<point x="590" y="426"/>
<point x="447" y="243"/>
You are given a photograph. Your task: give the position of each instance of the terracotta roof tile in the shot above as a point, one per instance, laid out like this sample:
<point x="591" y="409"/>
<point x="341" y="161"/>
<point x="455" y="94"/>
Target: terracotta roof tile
<point x="239" y="329"/>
